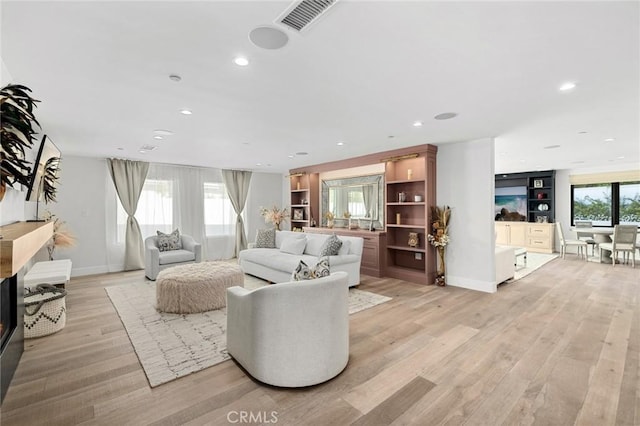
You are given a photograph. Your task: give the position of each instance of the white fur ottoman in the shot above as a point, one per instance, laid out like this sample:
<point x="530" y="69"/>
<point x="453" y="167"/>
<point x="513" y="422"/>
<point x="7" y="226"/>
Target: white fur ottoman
<point x="196" y="287"/>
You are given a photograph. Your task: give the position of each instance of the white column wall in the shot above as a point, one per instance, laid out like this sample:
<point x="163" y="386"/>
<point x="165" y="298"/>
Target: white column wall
<point x="466" y="184"/>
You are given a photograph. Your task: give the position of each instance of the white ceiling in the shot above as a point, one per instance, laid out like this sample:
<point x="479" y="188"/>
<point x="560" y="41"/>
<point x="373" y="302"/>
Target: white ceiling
<point x="364" y="72"/>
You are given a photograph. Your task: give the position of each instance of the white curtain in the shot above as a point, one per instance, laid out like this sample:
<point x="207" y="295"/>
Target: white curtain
<point x="128" y="178"/>
<point x="237" y="183"/>
<point x="191" y="199"/>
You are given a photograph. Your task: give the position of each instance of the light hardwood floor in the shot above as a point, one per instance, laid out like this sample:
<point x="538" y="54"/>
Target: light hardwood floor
<point x="559" y="347"/>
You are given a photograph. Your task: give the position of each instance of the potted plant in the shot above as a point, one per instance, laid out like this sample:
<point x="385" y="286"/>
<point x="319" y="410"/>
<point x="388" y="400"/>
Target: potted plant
<point x="16" y="135"/>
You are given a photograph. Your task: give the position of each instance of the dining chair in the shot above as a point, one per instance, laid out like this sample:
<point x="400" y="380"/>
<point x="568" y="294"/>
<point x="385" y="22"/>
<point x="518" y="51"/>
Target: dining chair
<point x="586" y="236"/>
<point x="580" y="244"/>
<point x="624" y="240"/>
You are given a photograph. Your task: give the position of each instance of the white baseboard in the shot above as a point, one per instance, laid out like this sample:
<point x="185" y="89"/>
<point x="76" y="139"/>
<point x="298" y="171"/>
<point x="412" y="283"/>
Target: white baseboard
<point x="89" y="270"/>
<point x="484" y="286"/>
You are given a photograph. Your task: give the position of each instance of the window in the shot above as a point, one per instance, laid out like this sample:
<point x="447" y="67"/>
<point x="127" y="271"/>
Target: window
<point x="155" y="209"/>
<point x="219" y="216"/>
<point x="592" y="202"/>
<point x="629" y="204"/>
<point x="606" y="204"/>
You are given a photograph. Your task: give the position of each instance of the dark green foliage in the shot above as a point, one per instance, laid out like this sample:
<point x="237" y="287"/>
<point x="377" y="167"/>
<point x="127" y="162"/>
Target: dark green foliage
<point x="49" y="179"/>
<point x="16" y="133"/>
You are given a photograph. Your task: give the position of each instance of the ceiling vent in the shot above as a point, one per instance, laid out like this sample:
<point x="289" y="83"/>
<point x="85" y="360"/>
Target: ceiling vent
<point x="302" y="13"/>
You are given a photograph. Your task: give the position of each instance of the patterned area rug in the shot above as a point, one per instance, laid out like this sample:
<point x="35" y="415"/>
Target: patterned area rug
<point x="170" y="346"/>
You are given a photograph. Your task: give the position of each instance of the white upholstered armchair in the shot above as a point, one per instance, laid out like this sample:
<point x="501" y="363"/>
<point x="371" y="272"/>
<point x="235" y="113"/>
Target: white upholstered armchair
<point x="156" y="260"/>
<point x="291" y="334"/>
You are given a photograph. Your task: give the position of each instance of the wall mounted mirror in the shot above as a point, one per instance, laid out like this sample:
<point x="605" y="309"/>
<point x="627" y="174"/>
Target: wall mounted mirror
<point x="361" y="196"/>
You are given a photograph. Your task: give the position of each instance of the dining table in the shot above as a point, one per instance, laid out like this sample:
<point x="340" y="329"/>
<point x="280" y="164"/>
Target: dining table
<point x="601" y="234"/>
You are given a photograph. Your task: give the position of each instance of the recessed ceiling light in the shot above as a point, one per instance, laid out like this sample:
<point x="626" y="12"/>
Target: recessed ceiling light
<point x="302" y="153"/>
<point x="268" y="38"/>
<point x="552" y="146"/>
<point x="163" y="132"/>
<point x="565" y="87"/>
<point x="609" y="140"/>
<point x="340" y="143"/>
<point x="621" y="157"/>
<point x="258" y="164"/>
<point x="241" y="61"/>
<point x="158" y="137"/>
<point x="120" y="149"/>
<point x="417" y="124"/>
<point x="148" y="147"/>
<point x="445" y="116"/>
<point x="175" y="77"/>
<point x="142" y="151"/>
<point x="290" y="156"/>
<point x="186" y="112"/>
<point x="505" y="175"/>
<point x="390" y="137"/>
<point x="582" y="133"/>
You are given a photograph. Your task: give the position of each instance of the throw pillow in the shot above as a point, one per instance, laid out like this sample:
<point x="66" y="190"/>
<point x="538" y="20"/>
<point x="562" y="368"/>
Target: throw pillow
<point x="266" y="238"/>
<point x="346" y="245"/>
<point x="302" y="272"/>
<point x="321" y="269"/>
<point x="331" y="246"/>
<point x="293" y="245"/>
<point x="167" y="242"/>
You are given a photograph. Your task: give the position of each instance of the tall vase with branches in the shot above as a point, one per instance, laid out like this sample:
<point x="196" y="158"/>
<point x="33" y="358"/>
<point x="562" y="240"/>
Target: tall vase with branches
<point x="62" y="236"/>
<point x="439" y="238"/>
<point x="274" y="215"/>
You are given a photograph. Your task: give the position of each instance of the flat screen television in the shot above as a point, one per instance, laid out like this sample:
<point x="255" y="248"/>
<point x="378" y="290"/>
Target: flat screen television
<point x="44" y="173"/>
<point x="512" y="198"/>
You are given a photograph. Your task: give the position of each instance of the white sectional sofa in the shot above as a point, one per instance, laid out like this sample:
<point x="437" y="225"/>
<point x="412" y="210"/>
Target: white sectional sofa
<point x="276" y="265"/>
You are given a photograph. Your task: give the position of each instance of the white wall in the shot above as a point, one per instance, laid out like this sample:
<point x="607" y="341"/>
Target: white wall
<point x="466" y="184"/>
<point x="12" y="205"/>
<point x="266" y="190"/>
<point x="82" y="203"/>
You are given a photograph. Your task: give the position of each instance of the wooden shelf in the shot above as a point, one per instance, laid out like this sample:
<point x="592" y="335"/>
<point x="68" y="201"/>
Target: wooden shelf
<point x="299" y="205"/>
<point x="405" y="225"/>
<point x="395" y="182"/>
<point x="20" y="242"/>
<point x="407" y="248"/>
<point x="415" y="264"/>
<point x="300" y="190"/>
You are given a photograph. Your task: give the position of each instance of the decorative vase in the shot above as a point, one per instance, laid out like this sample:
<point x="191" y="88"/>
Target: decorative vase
<point x="440" y="267"/>
<point x="277" y="224"/>
<point x="329" y="223"/>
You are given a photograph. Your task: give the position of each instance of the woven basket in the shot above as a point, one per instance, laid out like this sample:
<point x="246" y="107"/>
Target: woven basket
<point x="45" y="311"/>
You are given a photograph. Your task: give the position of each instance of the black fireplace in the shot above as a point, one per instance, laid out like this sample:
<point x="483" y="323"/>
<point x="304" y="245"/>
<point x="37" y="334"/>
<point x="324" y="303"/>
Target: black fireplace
<point x="12" y="329"/>
<point x="8" y="312"/>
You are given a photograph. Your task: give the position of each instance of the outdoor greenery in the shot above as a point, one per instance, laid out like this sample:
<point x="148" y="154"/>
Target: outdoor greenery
<point x="599" y="208"/>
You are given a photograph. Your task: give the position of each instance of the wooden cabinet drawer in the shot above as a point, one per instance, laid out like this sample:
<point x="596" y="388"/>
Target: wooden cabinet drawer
<point x="536" y="231"/>
<point x="540" y="243"/>
<point x="370" y="255"/>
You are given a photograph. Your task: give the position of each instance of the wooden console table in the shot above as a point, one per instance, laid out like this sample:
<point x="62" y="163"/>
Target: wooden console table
<point x="373" y="248"/>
